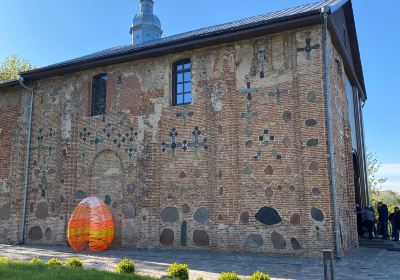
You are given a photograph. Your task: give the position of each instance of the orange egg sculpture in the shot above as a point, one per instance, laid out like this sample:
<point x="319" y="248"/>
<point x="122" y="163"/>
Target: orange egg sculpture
<point x="91" y="226"/>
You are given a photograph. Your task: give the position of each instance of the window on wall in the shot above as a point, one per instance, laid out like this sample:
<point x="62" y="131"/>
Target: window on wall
<point x="182" y="76"/>
<point x="99" y="95"/>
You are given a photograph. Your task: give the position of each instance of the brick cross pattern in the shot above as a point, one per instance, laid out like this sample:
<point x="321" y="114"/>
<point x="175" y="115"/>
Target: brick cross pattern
<point x="278" y="93"/>
<point x="249" y="114"/>
<point x="97" y="141"/>
<point x="308" y="48"/>
<point x="265" y="140"/>
<point x="184" y="115"/>
<point x="196" y="144"/>
<point x="173" y="145"/>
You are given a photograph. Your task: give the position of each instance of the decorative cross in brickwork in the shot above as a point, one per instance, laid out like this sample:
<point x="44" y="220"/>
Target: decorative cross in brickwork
<point x="40" y="147"/>
<point x="265" y="140"/>
<point x="184" y="115"/>
<point x="97" y="140"/>
<point x="173" y="145"/>
<point x="308" y="48"/>
<point x="85" y="134"/>
<point x="108" y="130"/>
<point x="249" y="114"/>
<point x="196" y="144"/>
<point x="130" y="150"/>
<point x="278" y="93"/>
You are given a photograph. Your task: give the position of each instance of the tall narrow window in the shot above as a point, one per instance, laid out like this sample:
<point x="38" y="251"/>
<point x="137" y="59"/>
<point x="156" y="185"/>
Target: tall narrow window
<point x="182" y="76"/>
<point x="99" y="94"/>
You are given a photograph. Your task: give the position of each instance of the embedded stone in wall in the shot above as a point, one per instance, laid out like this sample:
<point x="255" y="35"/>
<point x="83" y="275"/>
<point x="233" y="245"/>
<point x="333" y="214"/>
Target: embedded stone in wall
<point x="80" y="194"/>
<point x="247" y="171"/>
<point x="254" y="241"/>
<point x="35" y="233"/>
<point x="268" y="170"/>
<point x="130" y="188"/>
<point x="268" y="216"/>
<point x="312" y="143"/>
<point x="48" y="234"/>
<point x="200" y="238"/>
<point x="182" y="175"/>
<point x="316" y="191"/>
<point x="220" y="129"/>
<point x="115" y="205"/>
<point x="269" y="192"/>
<point x="5" y="212"/>
<point x="107" y="199"/>
<point x="4" y="233"/>
<point x="312" y="97"/>
<point x="167" y="237"/>
<point x="245" y="217"/>
<point x="131" y="168"/>
<point x="288" y="170"/>
<point x="130" y="211"/>
<point x="314" y="166"/>
<point x="221" y="191"/>
<point x="278" y="241"/>
<point x="249" y="144"/>
<point x="220" y="174"/>
<point x="185" y="209"/>
<point x="184" y="233"/>
<point x="286" y="142"/>
<point x="220" y="217"/>
<point x="62" y="199"/>
<point x="129" y="233"/>
<point x="311" y="122"/>
<point x="170" y="214"/>
<point x="31" y="207"/>
<point x="42" y="210"/>
<point x="295" y="244"/>
<point x="201" y="215"/>
<point x="197" y="173"/>
<point x="287" y="116"/>
<point x="317" y="214"/>
<point x="295" y="219"/>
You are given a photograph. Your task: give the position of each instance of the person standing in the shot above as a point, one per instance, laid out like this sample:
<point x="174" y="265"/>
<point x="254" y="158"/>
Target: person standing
<point x="369" y="219"/>
<point x="391" y="220"/>
<point x="383" y="219"/>
<point x="396" y="224"/>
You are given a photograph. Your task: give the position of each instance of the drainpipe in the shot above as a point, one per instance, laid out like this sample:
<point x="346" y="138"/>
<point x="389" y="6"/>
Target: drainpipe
<point x="327" y="89"/>
<point x="27" y="158"/>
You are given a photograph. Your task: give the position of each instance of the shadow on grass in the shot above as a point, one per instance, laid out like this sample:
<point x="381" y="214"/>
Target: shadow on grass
<point x="23" y="271"/>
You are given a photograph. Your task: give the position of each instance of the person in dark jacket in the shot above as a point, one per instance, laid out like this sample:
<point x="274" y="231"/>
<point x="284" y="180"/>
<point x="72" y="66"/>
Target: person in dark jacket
<point x="391" y="220"/>
<point x="383" y="219"/>
<point x="396" y="224"/>
<point x="369" y="219"/>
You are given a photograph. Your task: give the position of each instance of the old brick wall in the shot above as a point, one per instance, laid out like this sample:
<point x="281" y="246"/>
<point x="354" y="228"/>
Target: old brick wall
<point x="344" y="174"/>
<point x="249" y="173"/>
<point x="13" y="129"/>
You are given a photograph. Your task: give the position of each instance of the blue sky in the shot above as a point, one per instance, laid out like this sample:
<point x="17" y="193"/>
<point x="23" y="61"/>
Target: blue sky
<point x="49" y="31"/>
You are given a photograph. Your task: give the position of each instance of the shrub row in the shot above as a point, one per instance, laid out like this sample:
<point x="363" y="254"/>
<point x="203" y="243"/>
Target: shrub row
<point x="174" y="271"/>
<point x="181" y="272"/>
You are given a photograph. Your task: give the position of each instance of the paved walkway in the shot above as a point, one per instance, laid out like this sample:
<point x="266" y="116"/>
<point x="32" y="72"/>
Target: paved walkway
<point x="362" y="263"/>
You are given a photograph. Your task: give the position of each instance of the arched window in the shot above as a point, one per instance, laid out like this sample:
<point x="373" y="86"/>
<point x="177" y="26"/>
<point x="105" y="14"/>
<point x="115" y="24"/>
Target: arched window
<point x="182" y="87"/>
<point x="99" y="95"/>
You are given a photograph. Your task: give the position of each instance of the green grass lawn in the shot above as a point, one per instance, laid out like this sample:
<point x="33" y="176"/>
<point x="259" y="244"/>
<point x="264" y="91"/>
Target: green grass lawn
<point x="23" y="271"/>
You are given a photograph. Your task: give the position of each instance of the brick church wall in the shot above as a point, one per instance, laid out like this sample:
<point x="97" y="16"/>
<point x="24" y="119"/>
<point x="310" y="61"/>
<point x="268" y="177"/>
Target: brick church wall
<point x="254" y="176"/>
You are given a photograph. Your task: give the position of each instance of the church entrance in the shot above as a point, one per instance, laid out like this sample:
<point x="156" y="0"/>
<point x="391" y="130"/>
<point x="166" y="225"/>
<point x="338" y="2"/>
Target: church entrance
<point x="106" y="184"/>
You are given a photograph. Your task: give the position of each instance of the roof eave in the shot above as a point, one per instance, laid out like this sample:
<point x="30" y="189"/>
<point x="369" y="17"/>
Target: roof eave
<point x="9" y="83"/>
<point x="225" y="36"/>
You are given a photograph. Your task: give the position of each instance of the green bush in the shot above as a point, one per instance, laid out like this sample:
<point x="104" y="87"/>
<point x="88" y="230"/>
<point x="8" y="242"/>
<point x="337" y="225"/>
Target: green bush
<point x="229" y="276"/>
<point x="54" y="261"/>
<point x="4" y="260"/>
<point x="259" y="276"/>
<point x="74" y="262"/>
<point x="36" y="260"/>
<point x="179" y="271"/>
<point x="125" y="266"/>
<point x="200" y="278"/>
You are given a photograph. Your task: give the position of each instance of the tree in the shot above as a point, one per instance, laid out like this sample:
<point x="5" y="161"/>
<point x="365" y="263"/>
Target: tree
<point x="374" y="183"/>
<point x="11" y="66"/>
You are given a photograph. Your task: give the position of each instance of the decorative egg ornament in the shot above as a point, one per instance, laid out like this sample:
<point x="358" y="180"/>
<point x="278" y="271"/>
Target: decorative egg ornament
<point x="91" y="226"/>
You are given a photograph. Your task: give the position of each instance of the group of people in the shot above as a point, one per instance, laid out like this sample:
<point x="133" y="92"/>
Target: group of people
<point x="366" y="222"/>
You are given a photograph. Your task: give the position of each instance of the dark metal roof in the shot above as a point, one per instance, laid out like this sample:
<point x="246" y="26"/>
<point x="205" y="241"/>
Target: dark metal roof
<point x="295" y="17"/>
<point x="9" y="83"/>
<point x="204" y="32"/>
